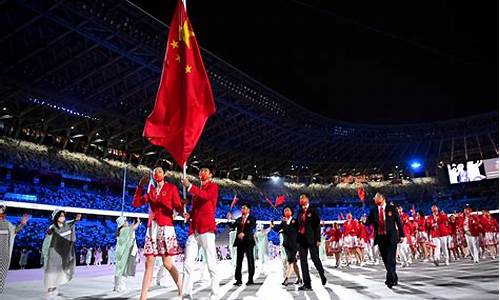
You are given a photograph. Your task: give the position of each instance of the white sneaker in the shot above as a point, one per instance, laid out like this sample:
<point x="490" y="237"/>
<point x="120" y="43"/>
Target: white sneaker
<point x="446" y="263"/>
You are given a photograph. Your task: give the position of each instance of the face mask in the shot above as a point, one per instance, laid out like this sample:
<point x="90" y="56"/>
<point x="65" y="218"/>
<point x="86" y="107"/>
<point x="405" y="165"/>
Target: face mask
<point x="203" y="176"/>
<point x="157" y="178"/>
<point x="288" y="214"/>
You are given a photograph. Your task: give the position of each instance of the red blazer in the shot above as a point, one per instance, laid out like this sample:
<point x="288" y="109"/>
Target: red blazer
<point x="473" y="225"/>
<point x="161" y="206"/>
<point x="203" y="208"/>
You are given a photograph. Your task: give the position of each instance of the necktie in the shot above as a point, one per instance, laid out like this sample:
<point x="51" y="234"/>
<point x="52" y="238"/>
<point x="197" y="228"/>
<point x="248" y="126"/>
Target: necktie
<point x="381" y="221"/>
<point x="302" y="229"/>
<point x="243" y="221"/>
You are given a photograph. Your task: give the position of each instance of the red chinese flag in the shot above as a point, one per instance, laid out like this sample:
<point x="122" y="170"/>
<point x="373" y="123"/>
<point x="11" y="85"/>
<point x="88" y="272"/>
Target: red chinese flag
<point x="280" y="200"/>
<point x="184" y="100"/>
<point x="361" y="194"/>
<point x="235" y="199"/>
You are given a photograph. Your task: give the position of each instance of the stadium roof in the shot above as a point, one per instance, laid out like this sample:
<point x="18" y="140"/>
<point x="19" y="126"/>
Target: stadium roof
<point x="88" y="71"/>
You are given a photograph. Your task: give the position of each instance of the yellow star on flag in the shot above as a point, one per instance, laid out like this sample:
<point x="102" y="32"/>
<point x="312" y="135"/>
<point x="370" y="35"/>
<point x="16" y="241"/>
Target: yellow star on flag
<point x="174" y="44"/>
<point x="185" y="33"/>
<point x="188" y="69"/>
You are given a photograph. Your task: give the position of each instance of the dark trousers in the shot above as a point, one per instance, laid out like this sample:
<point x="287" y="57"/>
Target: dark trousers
<point x="313" y="249"/>
<point x="388" y="253"/>
<point x="248" y="251"/>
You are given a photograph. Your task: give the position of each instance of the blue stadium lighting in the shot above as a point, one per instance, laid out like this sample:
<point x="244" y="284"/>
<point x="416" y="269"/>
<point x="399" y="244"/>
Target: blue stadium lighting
<point x="415" y="165"/>
<point x="61" y="108"/>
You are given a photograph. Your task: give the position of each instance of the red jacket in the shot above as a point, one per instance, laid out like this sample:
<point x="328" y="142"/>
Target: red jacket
<point x="203" y="208"/>
<point x="336" y="235"/>
<point x="351" y="228"/>
<point x="473" y="224"/>
<point x="161" y="206"/>
<point x="438" y="226"/>
<point x="362" y="232"/>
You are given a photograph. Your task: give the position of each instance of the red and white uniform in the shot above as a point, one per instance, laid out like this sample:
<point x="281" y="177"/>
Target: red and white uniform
<point x="440" y="235"/>
<point x="487" y="227"/>
<point x="202" y="230"/>
<point x="362" y="236"/>
<point x="161" y="239"/>
<point x="336" y="240"/>
<point x="471" y="230"/>
<point x="421" y="224"/>
<point x="351" y="234"/>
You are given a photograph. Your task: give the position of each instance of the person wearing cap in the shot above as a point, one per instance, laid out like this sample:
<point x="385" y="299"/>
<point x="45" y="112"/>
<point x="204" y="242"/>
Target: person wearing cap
<point x="440" y="235"/>
<point x="244" y="243"/>
<point x="202" y="229"/>
<point x="163" y="199"/>
<point x="262" y="243"/>
<point x="309" y="239"/>
<point x="126" y="250"/>
<point x="7" y="235"/>
<point x="388" y="233"/>
<point x="59" y="252"/>
<point x="471" y="230"/>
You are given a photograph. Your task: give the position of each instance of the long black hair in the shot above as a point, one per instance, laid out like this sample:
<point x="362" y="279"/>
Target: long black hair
<point x="56" y="216"/>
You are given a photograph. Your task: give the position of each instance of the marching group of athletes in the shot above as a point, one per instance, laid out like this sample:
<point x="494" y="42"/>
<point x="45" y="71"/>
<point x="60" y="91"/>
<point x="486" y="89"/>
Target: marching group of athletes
<point x="438" y="238"/>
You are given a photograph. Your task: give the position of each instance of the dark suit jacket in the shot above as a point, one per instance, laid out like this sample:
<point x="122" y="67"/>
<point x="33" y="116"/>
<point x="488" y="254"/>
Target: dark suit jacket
<point x="312" y="227"/>
<point x="393" y="224"/>
<point x="249" y="230"/>
<point x="289" y="234"/>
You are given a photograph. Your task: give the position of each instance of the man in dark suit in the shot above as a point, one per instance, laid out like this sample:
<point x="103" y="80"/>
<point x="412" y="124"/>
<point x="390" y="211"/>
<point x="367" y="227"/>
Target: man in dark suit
<point x="308" y="238"/>
<point x="388" y="233"/>
<point x="244" y="243"/>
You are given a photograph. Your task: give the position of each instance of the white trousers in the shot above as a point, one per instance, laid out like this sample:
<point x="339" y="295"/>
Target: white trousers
<point x="441" y="244"/>
<point x="473" y="245"/>
<point x="207" y="242"/>
<point x="403" y="250"/>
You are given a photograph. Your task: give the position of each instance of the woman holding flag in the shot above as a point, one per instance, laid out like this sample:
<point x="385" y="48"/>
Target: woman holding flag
<point x="161" y="239"/>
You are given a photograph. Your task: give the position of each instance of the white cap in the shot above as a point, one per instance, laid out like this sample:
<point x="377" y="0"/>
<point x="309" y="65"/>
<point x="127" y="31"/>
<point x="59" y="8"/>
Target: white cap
<point x="121" y="220"/>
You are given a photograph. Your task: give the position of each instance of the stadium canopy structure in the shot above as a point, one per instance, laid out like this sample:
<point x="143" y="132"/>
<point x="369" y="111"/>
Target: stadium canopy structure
<point x="83" y="75"/>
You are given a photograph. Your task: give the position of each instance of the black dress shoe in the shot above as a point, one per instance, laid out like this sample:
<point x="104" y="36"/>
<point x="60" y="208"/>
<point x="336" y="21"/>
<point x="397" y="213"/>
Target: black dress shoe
<point x="323" y="280"/>
<point x="390" y="285"/>
<point x="250" y="283"/>
<point x="305" y="288"/>
<point x="238" y="283"/>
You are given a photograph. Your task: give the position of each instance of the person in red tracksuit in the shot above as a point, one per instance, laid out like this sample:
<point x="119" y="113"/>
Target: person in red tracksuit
<point x="487" y="226"/>
<point x="439" y="232"/>
<point x="336" y="243"/>
<point x="362" y="239"/>
<point x="161" y="240"/>
<point x="351" y="238"/>
<point x="422" y="236"/>
<point x="453" y="248"/>
<point x="202" y="229"/>
<point x="471" y="230"/>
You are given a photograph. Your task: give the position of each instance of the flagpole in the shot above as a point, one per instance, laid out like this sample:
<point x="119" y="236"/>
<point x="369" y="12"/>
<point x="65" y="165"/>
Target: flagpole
<point x="124" y="188"/>
<point x="184" y="167"/>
